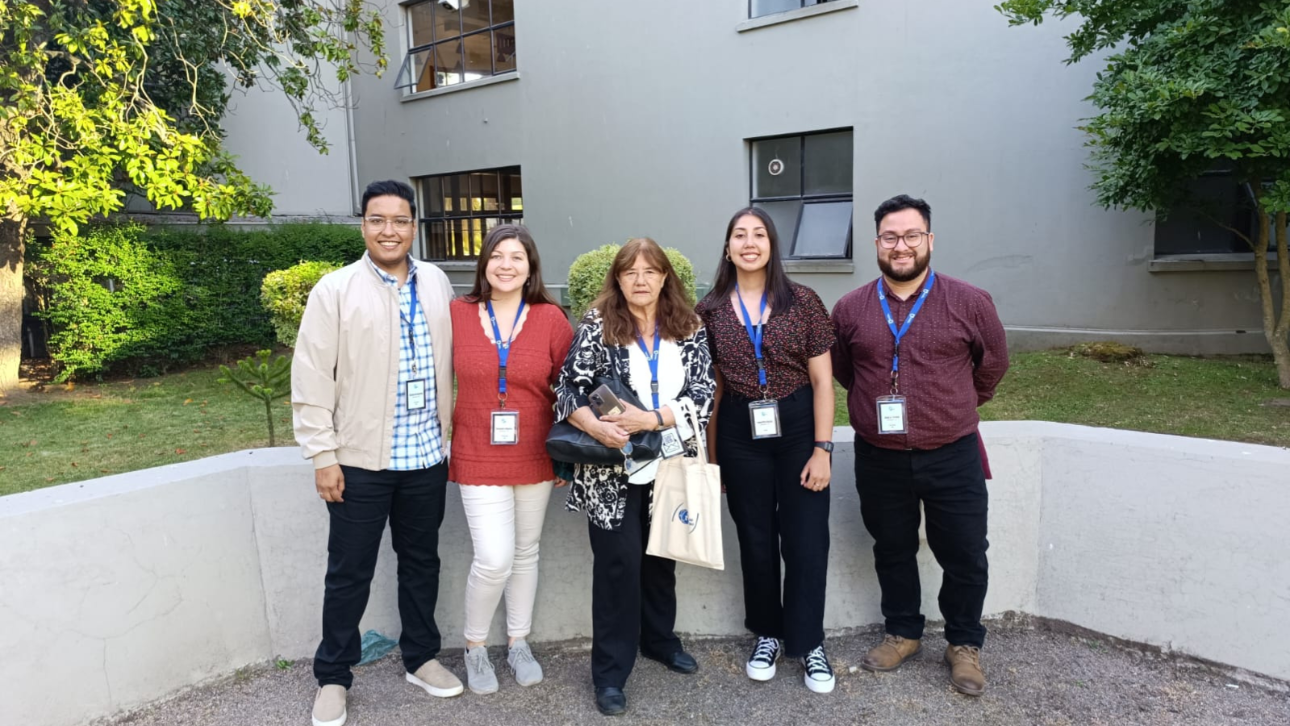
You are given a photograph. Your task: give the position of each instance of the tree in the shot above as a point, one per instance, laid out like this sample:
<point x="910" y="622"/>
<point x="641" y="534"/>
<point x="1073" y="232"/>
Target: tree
<point x="104" y="98"/>
<point x="1189" y="87"/>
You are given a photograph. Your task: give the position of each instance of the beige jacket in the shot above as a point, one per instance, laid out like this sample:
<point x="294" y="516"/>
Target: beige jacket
<point x="344" y="376"/>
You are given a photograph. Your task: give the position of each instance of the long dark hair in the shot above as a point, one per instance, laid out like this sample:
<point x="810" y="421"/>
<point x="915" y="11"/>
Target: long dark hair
<point x="534" y="291"/>
<point x="779" y="289"/>
<point x="676" y="319"/>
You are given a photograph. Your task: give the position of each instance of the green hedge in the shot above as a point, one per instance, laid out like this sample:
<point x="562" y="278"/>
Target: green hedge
<point x="588" y="271"/>
<point x="119" y="297"/>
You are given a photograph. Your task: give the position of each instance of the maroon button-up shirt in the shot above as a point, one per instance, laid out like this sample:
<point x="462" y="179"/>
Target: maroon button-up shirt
<point x="951" y="359"/>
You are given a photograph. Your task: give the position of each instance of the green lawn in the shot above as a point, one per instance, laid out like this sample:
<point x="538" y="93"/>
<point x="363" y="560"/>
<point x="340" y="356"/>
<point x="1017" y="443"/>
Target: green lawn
<point x="61" y="436"/>
<point x="1217" y="398"/>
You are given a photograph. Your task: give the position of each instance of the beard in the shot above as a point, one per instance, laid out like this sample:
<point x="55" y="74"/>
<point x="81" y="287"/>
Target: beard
<point x="921" y="261"/>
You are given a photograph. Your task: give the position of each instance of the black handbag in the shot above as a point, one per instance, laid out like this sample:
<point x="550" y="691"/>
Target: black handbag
<point x="572" y="445"/>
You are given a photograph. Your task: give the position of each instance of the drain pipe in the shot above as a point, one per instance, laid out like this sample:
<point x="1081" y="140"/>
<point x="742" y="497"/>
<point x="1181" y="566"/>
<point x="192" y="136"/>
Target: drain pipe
<point x="349" y="139"/>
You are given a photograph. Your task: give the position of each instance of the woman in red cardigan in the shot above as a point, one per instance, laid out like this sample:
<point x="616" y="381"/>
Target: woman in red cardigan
<point x="499" y="429"/>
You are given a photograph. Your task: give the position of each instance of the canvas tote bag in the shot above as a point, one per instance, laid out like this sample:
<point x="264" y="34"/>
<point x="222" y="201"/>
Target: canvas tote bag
<point x="686" y="523"/>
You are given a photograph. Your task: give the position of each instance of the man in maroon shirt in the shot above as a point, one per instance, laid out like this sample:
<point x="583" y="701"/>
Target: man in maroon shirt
<point x="917" y="353"/>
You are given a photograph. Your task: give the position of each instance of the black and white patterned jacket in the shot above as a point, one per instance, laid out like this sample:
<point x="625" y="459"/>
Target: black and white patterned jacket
<point x="600" y="490"/>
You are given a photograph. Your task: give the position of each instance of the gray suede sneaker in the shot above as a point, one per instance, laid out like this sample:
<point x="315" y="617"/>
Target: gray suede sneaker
<point x="526" y="669"/>
<point x="479" y="671"/>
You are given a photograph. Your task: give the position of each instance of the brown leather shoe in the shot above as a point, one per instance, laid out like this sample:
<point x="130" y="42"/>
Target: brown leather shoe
<point x="890" y="653"/>
<point x="965" y="669"/>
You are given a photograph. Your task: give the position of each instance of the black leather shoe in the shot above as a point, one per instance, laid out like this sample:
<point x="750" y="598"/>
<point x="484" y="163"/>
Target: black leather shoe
<point x="678" y="662"/>
<point x="611" y="701"/>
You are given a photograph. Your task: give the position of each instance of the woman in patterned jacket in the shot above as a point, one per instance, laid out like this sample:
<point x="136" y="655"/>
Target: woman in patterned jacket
<point x="643" y="328"/>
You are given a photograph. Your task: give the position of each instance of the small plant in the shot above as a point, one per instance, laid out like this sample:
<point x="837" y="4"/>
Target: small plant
<point x="266" y="381"/>
<point x="283" y="664"/>
<point x="587" y="275"/>
<point x="284" y="294"/>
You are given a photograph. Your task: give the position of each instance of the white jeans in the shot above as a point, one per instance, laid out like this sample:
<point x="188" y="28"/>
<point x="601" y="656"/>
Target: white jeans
<point x="505" y="527"/>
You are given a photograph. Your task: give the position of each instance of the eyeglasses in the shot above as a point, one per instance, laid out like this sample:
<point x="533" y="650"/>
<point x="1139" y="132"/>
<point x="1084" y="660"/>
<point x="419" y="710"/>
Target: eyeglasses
<point x="650" y="275"/>
<point x="912" y="239"/>
<point x="628" y="464"/>
<point x="401" y="224"/>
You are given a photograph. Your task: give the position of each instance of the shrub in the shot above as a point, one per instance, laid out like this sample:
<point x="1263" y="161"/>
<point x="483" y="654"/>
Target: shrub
<point x="121" y="296"/>
<point x="284" y="294"/>
<point x="587" y="275"/>
<point x="109" y="297"/>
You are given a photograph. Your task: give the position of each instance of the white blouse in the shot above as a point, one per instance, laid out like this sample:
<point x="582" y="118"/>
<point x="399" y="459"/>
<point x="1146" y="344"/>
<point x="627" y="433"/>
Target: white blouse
<point x="671" y="381"/>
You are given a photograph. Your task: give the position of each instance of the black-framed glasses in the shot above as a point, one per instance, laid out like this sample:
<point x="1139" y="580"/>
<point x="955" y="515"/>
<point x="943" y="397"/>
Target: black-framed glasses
<point x="889" y="240"/>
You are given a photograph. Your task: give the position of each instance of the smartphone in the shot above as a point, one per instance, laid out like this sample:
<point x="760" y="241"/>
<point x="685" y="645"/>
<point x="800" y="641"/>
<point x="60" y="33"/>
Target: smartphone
<point x="605" y="403"/>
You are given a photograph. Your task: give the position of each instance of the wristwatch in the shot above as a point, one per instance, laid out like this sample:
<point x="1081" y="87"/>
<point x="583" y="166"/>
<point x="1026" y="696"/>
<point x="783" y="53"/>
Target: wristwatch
<point x="826" y="445"/>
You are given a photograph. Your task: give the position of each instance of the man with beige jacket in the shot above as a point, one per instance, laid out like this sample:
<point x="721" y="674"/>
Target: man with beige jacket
<point x="371" y="391"/>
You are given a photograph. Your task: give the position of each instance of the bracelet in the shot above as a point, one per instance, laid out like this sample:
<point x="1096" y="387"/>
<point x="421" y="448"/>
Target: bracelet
<point x="658" y="416"/>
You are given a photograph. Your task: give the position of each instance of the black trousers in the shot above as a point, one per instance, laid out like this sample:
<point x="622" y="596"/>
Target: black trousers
<point x="633" y="595"/>
<point x="777" y="519"/>
<point x="950" y="484"/>
<point x="413" y="502"/>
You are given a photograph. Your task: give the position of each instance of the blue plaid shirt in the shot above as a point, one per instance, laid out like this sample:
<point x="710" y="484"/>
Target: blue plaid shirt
<point x="418" y="442"/>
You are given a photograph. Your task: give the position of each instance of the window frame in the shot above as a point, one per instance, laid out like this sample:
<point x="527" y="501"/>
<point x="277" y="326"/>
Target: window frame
<point x="409" y="87"/>
<point x="800" y="4"/>
<point x="788" y="239"/>
<point x="1247" y="223"/>
<point x="453" y="251"/>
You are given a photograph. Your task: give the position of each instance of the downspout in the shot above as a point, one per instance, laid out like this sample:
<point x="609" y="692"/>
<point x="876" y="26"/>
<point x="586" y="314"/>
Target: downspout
<point x="353" y="151"/>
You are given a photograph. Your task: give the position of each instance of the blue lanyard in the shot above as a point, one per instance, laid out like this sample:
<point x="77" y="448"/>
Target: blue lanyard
<point x="891" y="322"/>
<point x="755" y="336"/>
<point x="412" y="338"/>
<point x="503" y="348"/>
<point x="652" y="358"/>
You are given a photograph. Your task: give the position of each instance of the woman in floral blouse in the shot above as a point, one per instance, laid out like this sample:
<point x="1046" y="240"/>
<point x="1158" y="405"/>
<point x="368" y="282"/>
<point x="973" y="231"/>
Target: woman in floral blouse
<point x="642" y="328"/>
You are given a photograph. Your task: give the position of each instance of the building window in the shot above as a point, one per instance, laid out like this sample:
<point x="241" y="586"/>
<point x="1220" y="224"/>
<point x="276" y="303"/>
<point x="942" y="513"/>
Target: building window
<point x="804" y="184"/>
<point x="457" y="41"/>
<point x="758" y="8"/>
<point x="1220" y="208"/>
<point x="457" y="210"/>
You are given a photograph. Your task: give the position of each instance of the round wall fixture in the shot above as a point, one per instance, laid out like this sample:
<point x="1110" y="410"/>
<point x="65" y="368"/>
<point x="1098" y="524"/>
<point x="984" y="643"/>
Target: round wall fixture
<point x="775" y="167"/>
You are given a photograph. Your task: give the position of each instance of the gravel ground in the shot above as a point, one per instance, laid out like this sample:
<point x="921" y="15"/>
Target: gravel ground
<point x="1035" y="677"/>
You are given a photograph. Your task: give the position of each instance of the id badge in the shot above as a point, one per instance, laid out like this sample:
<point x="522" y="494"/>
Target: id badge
<point x="506" y="428"/>
<point x="416" y="397"/>
<point x="765" y="419"/>
<point x="672" y="445"/>
<point x="891" y="415"/>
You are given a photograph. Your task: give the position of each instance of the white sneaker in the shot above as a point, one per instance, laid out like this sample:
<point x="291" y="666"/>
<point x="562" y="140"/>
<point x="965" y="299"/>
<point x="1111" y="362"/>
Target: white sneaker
<point x="329" y="706"/>
<point x="436" y="680"/>
<point x="819" y="674"/>
<point x="761" y="664"/>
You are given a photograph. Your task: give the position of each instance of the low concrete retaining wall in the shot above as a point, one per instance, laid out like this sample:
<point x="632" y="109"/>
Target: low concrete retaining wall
<point x="121" y="590"/>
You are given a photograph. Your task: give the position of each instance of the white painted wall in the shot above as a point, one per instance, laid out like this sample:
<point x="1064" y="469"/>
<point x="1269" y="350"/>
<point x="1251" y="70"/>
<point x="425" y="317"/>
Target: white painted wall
<point x="265" y="135"/>
<point x="136" y="585"/>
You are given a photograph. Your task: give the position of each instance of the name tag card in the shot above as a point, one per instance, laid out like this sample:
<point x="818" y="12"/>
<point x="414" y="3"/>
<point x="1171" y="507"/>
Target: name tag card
<point x="765" y="419"/>
<point x="506" y="428"/>
<point x="891" y="415"/>
<point x="416" y="394"/>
